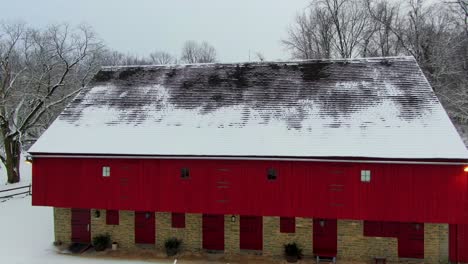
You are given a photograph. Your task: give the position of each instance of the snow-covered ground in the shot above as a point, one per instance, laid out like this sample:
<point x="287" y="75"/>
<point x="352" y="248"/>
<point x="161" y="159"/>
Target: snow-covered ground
<point x="27" y="232"/>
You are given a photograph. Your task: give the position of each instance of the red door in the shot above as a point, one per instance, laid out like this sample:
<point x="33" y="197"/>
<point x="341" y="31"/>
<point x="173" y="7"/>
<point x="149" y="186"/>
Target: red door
<point x="251" y="232"/>
<point x="81" y="228"/>
<point x="458" y="243"/>
<point x="144" y="228"/>
<point x="213" y="232"/>
<point x="325" y="237"/>
<point x="411" y="240"/>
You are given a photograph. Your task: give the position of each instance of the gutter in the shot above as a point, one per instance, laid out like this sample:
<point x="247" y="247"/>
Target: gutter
<point x="464" y="163"/>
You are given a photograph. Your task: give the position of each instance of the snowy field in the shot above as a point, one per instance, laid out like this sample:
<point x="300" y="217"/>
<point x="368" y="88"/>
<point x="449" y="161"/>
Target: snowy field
<point x="27" y="232"/>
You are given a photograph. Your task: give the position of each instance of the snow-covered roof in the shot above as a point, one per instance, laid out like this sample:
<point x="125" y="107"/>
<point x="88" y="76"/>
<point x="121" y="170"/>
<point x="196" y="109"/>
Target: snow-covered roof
<point x="374" y="107"/>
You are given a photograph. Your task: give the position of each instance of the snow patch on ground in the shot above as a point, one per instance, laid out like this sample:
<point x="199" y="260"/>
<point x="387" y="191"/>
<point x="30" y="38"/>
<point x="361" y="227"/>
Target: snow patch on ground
<point x="27" y="233"/>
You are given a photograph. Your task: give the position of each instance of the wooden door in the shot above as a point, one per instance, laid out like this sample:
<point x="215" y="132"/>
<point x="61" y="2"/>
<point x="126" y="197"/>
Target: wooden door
<point x="325" y="237"/>
<point x="81" y="225"/>
<point x="145" y="228"/>
<point x="213" y="232"/>
<point x="251" y="232"/>
<point x="411" y="240"/>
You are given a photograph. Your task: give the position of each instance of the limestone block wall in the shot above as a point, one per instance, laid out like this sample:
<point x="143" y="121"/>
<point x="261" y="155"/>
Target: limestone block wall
<point x="191" y="235"/>
<point x="354" y="246"/>
<point x="123" y="233"/>
<point x="436" y="243"/>
<point x="274" y="240"/>
<point x="62" y="225"/>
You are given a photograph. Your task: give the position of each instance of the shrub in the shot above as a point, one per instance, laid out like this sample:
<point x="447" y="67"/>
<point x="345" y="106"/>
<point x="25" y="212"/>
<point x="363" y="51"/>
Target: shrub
<point x="292" y="251"/>
<point x="101" y="242"/>
<point x="172" y="246"/>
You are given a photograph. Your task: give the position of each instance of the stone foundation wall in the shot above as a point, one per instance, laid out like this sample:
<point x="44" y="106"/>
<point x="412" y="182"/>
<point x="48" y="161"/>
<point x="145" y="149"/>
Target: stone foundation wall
<point x="231" y="235"/>
<point x="436" y="243"/>
<point x="274" y="240"/>
<point x="123" y="233"/>
<point x="354" y="246"/>
<point x="62" y="225"/>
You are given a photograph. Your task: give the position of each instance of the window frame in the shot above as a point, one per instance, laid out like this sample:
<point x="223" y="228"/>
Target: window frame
<point x="106" y="170"/>
<point x="272" y="174"/>
<point x="184" y="173"/>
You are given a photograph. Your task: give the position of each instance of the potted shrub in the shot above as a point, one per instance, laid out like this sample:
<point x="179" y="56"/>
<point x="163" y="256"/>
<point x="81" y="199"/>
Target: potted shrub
<point x="101" y="242"/>
<point x="292" y="252"/>
<point x="172" y="246"/>
<point x="115" y="245"/>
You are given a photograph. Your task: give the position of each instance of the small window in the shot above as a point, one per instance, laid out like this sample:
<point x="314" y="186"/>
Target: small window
<point x="272" y="174"/>
<point x="184" y="173"/>
<point x="178" y="220"/>
<point x="365" y="175"/>
<point x="106" y="171"/>
<point x="287" y="224"/>
<point x="112" y="217"/>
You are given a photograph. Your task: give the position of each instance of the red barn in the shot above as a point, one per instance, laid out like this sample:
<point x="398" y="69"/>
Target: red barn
<point x="348" y="158"/>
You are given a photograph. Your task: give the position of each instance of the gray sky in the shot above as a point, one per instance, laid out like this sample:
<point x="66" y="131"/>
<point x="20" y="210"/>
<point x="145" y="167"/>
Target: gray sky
<point x="142" y="26"/>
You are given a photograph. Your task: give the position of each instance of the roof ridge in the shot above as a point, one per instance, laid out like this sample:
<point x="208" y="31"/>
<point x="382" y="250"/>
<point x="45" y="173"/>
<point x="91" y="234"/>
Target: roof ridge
<point x="261" y="63"/>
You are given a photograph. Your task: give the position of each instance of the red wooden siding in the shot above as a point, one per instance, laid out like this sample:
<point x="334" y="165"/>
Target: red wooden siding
<point x="325" y="237"/>
<point x="287" y="224"/>
<point x="213" y="232"/>
<point x="251" y="232"/>
<point x="145" y="228"/>
<point x="404" y="193"/>
<point x="178" y="220"/>
<point x="458" y="243"/>
<point x="112" y="217"/>
<point x="81" y="224"/>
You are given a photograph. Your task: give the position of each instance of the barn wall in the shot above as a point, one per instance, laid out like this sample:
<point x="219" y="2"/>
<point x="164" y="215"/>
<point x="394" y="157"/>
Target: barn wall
<point x="190" y="235"/>
<point x="274" y="240"/>
<point x="123" y="233"/>
<point x="62" y="225"/>
<point x="353" y="245"/>
<point x="409" y="193"/>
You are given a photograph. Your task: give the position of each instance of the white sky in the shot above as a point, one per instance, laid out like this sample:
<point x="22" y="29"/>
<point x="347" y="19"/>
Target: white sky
<point x="140" y="26"/>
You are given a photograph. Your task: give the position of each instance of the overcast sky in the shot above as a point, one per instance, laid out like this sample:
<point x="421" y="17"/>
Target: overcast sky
<point x="140" y="26"/>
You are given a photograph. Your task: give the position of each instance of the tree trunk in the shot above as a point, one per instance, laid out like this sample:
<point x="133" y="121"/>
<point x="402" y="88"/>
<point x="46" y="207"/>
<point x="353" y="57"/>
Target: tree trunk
<point x="12" y="159"/>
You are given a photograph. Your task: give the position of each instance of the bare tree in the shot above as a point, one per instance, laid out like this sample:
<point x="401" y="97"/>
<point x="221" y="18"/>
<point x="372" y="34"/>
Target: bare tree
<point x="328" y="28"/>
<point x="379" y="39"/>
<point x="311" y="35"/>
<point x="40" y="70"/>
<point x="192" y="52"/>
<point x="161" y="57"/>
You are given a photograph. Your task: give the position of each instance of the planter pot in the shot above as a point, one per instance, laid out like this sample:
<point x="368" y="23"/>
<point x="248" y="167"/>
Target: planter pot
<point x="291" y="259"/>
<point x="171" y="251"/>
<point x="115" y="246"/>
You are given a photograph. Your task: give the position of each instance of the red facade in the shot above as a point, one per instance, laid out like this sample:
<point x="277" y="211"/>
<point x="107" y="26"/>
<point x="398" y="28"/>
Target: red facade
<point x="396" y="192"/>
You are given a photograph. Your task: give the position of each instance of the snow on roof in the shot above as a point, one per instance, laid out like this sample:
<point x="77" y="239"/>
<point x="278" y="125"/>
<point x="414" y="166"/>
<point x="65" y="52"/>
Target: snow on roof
<point x="377" y="108"/>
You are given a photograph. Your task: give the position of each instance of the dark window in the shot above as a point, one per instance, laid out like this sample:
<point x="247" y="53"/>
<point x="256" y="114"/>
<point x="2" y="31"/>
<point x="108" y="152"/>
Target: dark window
<point x="287" y="224"/>
<point x="112" y="217"/>
<point x="178" y="220"/>
<point x="272" y="174"/>
<point x="184" y="173"/>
